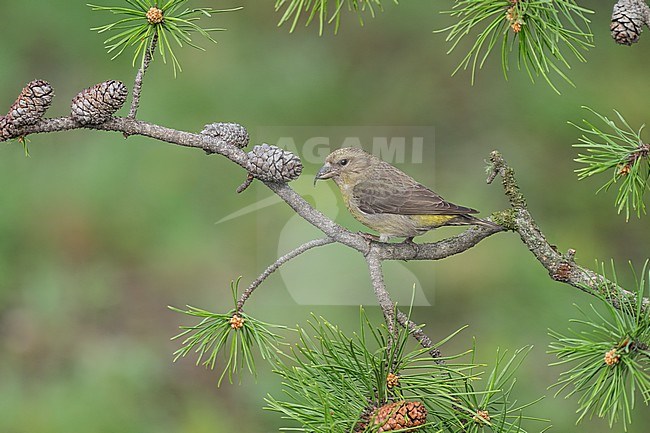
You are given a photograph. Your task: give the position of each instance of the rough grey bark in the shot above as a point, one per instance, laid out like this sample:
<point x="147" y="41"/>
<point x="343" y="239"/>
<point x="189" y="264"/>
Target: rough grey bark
<point x="139" y="77"/>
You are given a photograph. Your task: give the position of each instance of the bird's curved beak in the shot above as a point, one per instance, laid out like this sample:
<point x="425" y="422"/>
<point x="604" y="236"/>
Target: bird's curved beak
<point x="325" y="172"/>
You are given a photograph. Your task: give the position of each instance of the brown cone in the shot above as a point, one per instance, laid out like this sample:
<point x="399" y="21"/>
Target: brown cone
<point x="96" y="104"/>
<point x="395" y="416"/>
<point x="32" y="103"/>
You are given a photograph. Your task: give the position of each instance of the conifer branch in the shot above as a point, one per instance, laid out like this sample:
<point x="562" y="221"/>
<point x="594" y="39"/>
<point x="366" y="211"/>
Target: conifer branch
<point x="620" y="151"/>
<point x="561" y="267"/>
<point x="144" y="21"/>
<point x="537" y="34"/>
<point x="325" y="12"/>
<point x="606" y="358"/>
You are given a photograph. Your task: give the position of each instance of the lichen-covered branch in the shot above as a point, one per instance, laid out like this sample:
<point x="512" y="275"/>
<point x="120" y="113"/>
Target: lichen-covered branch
<point x="561" y="267"/>
<point x="437" y="250"/>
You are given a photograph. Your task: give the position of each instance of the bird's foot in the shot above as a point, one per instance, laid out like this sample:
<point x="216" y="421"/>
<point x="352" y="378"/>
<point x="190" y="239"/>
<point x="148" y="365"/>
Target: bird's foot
<point x="369" y="236"/>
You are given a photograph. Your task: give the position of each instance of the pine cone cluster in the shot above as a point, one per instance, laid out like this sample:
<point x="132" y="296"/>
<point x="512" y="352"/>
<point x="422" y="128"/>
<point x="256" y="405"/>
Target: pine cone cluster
<point x="96" y="104"/>
<point x="232" y="133"/>
<point x="398" y="415"/>
<point x="272" y="164"/>
<point x="627" y="21"/>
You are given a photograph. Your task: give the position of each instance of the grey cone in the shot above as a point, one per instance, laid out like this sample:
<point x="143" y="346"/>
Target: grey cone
<point x="7" y="129"/>
<point x="627" y="22"/>
<point x="232" y="133"/>
<point x="272" y="164"/>
<point x="96" y="104"/>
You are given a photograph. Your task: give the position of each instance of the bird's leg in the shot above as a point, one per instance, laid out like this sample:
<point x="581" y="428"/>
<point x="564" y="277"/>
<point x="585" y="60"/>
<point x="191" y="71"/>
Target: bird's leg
<point x="369" y="236"/>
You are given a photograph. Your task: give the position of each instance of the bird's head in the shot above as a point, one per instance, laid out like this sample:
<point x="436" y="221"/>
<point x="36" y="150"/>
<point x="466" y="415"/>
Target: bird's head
<point x="345" y="165"/>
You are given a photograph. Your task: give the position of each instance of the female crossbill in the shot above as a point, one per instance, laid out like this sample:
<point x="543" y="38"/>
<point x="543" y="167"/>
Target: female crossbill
<point x="388" y="200"/>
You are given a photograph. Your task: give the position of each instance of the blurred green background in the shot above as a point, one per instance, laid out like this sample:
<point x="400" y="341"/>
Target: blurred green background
<point x="98" y="235"/>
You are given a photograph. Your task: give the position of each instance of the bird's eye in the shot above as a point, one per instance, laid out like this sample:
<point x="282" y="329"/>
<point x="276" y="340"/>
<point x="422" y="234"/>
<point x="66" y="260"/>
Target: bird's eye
<point x="343" y="162"/>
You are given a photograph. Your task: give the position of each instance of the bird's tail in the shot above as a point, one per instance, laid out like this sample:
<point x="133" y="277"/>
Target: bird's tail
<point x="465" y="219"/>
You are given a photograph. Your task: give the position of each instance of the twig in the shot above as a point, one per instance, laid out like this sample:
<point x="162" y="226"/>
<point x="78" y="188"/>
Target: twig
<point x="137" y="84"/>
<point x="241" y="188"/>
<point x="279" y="262"/>
<point x="318" y="219"/>
<point x="510" y="186"/>
<point x="419" y="335"/>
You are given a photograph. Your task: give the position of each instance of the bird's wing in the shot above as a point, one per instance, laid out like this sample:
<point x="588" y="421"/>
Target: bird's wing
<point x="394" y="192"/>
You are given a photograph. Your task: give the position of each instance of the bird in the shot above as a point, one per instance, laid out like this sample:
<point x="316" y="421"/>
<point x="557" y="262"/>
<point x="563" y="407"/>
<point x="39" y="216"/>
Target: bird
<point x="389" y="201"/>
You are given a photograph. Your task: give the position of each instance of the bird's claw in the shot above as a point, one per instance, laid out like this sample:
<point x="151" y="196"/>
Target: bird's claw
<point x="412" y="244"/>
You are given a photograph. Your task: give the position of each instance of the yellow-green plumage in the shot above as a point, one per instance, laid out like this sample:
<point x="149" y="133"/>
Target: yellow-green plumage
<point x="388" y="200"/>
<point x="432" y="220"/>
